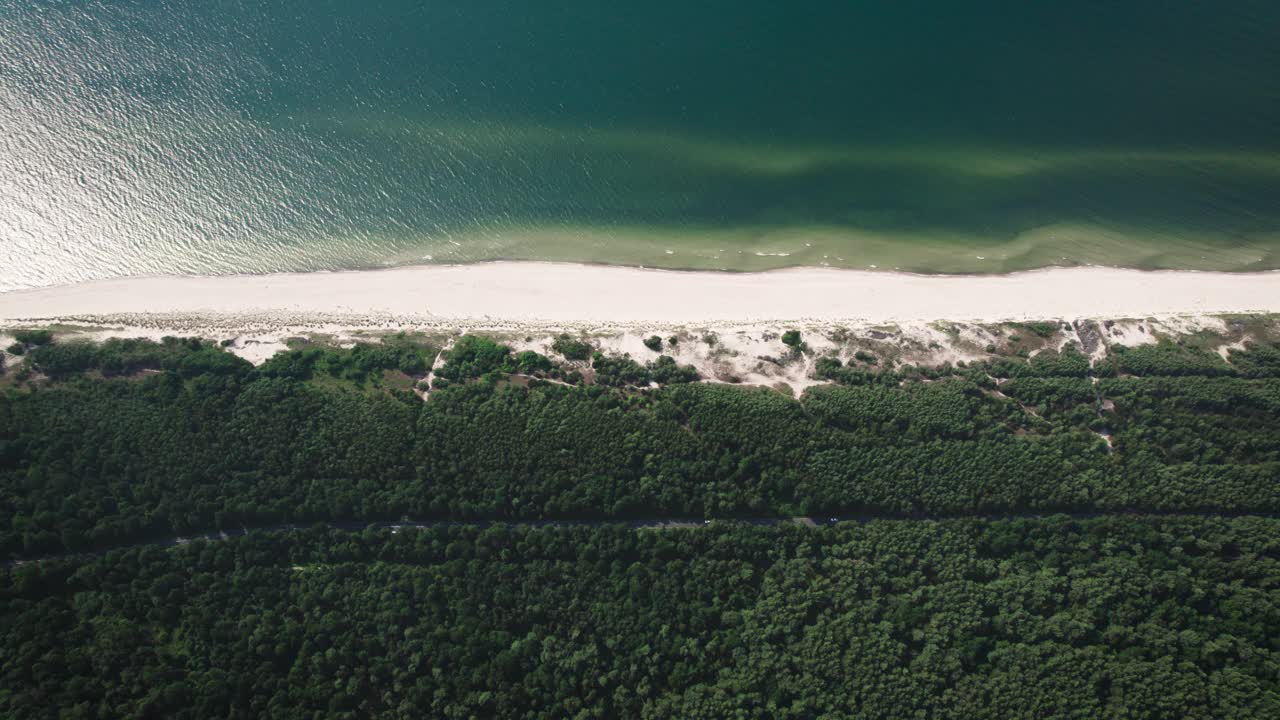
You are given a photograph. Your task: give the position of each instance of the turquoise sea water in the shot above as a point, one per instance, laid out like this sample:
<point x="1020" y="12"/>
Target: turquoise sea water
<point x="217" y="137"/>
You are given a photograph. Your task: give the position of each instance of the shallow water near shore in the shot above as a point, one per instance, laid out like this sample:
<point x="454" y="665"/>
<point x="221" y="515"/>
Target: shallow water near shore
<point x="227" y="137"/>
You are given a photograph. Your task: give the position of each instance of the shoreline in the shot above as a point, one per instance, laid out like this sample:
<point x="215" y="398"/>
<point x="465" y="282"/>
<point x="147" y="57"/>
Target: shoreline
<point x="552" y="292"/>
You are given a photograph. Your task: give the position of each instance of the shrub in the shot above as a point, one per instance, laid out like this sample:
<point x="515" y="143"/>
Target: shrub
<point x="830" y="368"/>
<point x="33" y="337"/>
<point x="1257" y="361"/>
<point x="122" y="356"/>
<point x="665" y="371"/>
<point x="1165" y="358"/>
<point x="572" y="349"/>
<point x="356" y="364"/>
<point x="826" y="367"/>
<point x="1068" y="363"/>
<point x="1042" y="329"/>
<point x="654" y="343"/>
<point x="623" y="371"/>
<point x="530" y="362"/>
<point x="65" y="358"/>
<point x="212" y="361"/>
<point x="619" y="371"/>
<point x="473" y="356"/>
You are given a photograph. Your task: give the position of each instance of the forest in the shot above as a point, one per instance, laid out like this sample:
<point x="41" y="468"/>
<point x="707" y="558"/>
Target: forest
<point x="1123" y="617"/>
<point x="132" y="440"/>
<point x="1037" y="536"/>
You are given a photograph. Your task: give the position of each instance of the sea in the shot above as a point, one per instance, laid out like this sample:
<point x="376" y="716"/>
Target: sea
<point x="224" y="136"/>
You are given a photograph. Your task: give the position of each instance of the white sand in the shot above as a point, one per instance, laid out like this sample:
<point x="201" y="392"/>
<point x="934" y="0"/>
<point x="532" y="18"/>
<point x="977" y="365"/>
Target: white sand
<point x="554" y="292"/>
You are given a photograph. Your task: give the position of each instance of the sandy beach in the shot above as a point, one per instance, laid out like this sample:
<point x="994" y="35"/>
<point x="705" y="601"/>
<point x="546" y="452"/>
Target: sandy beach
<point x="553" y="292"/>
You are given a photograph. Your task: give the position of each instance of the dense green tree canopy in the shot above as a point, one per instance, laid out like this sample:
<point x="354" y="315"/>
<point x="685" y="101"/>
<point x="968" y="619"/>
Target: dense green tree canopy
<point x="1114" y="617"/>
<point x="977" y="602"/>
<point x="195" y="439"/>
